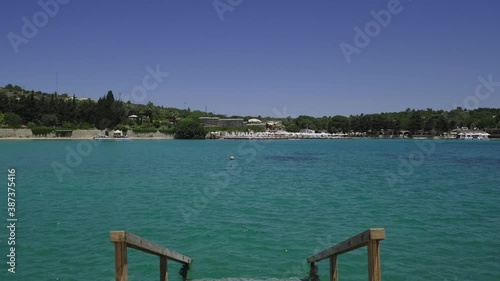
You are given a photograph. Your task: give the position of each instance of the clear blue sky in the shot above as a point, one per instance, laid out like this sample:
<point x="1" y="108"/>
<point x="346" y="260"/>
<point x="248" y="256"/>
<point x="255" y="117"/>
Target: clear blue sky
<point x="264" y="55"/>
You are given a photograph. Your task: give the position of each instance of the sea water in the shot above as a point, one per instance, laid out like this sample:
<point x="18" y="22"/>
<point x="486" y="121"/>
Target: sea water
<point x="257" y="217"/>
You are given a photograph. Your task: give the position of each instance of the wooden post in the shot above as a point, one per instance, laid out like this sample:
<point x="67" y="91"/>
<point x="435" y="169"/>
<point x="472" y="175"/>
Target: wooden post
<point x="333" y="268"/>
<point x="374" y="273"/>
<point x="163" y="268"/>
<point x="121" y="261"/>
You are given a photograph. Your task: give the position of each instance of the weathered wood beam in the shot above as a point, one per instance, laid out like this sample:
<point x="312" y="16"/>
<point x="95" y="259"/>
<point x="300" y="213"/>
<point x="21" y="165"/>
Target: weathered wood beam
<point x="374" y="273"/>
<point x="121" y="261"/>
<point x="138" y="243"/>
<point x="350" y="244"/>
<point x="333" y="268"/>
<point x="163" y="268"/>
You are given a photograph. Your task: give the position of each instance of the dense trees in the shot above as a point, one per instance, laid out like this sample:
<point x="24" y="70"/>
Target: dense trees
<point x="415" y="121"/>
<point x="12" y="120"/>
<point x="60" y="110"/>
<point x="49" y="120"/>
<point x="109" y="112"/>
<point x="338" y="123"/>
<point x="46" y="110"/>
<point x="189" y="128"/>
<point x="20" y="107"/>
<point x="36" y="110"/>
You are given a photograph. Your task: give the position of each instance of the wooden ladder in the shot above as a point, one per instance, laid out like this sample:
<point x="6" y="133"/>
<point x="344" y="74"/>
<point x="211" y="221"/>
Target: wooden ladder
<point x="123" y="240"/>
<point x="370" y="238"/>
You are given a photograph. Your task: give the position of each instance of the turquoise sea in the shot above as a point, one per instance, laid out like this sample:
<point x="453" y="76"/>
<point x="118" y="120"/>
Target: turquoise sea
<point x="257" y="217"/>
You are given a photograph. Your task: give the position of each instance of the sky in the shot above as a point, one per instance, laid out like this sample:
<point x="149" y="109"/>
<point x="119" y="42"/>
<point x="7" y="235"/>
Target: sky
<point x="272" y="58"/>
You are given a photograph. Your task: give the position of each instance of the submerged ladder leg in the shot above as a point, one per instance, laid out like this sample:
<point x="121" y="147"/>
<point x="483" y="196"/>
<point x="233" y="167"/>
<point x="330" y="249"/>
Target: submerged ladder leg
<point x="374" y="273"/>
<point x="333" y="268"/>
<point x="121" y="261"/>
<point x="163" y="268"/>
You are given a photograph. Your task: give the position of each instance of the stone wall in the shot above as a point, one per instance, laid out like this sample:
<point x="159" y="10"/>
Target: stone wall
<point x="15" y="133"/>
<point x="77" y="134"/>
<point x="156" y="135"/>
<point x="84" y="134"/>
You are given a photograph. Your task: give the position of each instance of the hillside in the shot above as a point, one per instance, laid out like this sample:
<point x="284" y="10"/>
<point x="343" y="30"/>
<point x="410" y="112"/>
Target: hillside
<point x="22" y="108"/>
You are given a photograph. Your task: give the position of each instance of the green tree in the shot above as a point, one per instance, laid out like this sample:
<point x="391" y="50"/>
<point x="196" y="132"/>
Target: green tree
<point x="173" y="117"/>
<point x="4" y="102"/>
<point x="305" y="122"/>
<point x="49" y="120"/>
<point x="442" y="124"/>
<point x="339" y="123"/>
<point x="12" y="120"/>
<point x="188" y="128"/>
<point x="108" y="112"/>
<point x="30" y="109"/>
<point x="415" y="123"/>
<point x="291" y="127"/>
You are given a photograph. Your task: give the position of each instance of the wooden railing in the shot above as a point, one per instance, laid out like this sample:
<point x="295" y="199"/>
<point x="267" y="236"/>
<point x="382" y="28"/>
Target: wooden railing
<point x="370" y="238"/>
<point x="123" y="239"/>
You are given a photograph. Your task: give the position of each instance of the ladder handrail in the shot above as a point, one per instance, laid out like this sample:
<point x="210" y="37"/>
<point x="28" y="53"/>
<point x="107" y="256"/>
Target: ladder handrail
<point x="370" y="238"/>
<point x="123" y="240"/>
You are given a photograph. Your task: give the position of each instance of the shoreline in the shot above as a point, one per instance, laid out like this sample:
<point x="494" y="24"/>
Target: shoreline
<point x="26" y="134"/>
<point x="172" y="138"/>
<point x="82" y="138"/>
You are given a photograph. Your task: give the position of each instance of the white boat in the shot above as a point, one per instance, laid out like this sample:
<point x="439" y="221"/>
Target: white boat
<point x="473" y="135"/>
